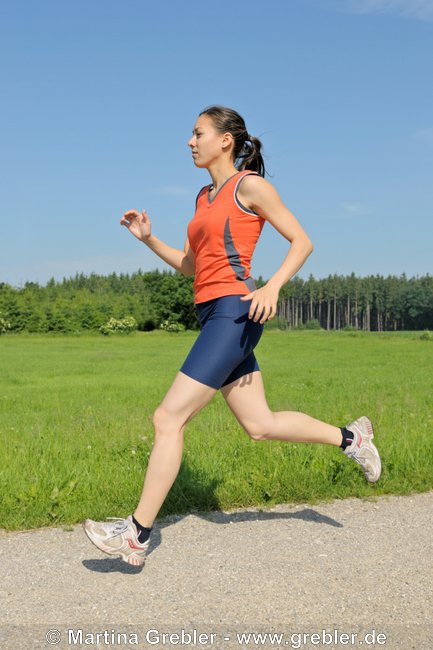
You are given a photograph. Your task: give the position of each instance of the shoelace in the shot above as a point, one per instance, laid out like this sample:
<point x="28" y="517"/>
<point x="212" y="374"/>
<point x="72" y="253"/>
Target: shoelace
<point x="120" y="527"/>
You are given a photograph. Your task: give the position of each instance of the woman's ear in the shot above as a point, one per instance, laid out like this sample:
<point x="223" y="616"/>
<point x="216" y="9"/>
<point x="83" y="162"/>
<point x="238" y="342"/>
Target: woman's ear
<point x="227" y="140"/>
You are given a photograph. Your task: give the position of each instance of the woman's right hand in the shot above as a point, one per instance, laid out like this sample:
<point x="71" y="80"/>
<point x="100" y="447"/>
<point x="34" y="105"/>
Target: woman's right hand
<point x="138" y="223"/>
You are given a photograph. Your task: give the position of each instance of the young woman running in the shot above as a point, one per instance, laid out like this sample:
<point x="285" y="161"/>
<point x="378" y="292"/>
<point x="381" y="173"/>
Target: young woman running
<point x="221" y="237"/>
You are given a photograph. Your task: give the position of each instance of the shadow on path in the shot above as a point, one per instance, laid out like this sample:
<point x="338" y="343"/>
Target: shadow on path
<point x="112" y="565"/>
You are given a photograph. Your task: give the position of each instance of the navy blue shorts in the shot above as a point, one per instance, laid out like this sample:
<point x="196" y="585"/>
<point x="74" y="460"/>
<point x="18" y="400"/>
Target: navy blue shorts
<point x="223" y="351"/>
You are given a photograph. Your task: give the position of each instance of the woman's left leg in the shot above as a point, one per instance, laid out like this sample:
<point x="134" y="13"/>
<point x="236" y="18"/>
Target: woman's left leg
<point x="246" y="398"/>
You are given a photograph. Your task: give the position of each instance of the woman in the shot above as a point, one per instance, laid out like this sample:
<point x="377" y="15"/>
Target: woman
<point x="230" y="214"/>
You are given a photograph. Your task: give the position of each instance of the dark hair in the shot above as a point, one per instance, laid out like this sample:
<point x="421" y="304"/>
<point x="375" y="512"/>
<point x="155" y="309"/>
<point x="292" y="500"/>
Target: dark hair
<point x="247" y="149"/>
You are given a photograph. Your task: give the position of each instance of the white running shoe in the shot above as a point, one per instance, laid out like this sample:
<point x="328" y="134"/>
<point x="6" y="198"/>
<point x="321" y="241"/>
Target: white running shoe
<point x="362" y="449"/>
<point x="119" y="538"/>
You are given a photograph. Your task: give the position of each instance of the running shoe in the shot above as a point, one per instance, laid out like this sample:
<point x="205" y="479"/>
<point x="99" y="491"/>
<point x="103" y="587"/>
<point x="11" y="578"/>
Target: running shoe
<point x="362" y="449"/>
<point x="118" y="538"/>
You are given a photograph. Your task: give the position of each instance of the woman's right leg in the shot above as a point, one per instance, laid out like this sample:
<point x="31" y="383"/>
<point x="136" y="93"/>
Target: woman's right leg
<point x="185" y="398"/>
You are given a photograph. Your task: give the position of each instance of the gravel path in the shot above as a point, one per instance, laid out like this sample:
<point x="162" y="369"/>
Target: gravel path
<point x="344" y="567"/>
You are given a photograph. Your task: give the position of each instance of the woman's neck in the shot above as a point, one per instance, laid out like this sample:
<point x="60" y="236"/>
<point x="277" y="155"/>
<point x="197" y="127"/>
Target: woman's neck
<point x="220" y="174"/>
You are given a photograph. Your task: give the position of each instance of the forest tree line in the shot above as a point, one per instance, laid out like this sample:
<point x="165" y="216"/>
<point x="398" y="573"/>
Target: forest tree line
<point x="371" y="303"/>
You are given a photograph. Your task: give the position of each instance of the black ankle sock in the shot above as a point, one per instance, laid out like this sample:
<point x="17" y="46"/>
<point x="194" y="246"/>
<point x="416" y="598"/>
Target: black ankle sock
<point x="143" y="533"/>
<point x="347" y="437"/>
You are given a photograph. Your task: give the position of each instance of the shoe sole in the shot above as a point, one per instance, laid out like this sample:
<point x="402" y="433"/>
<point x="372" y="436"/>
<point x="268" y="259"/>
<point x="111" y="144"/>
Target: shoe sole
<point x="369" y="427"/>
<point x="129" y="559"/>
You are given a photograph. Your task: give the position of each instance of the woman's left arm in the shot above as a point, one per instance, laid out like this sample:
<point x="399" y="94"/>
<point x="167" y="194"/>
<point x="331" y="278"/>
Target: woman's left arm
<point x="259" y="195"/>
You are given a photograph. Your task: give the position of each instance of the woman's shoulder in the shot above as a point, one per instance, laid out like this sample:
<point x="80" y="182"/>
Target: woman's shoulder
<point x="253" y="186"/>
<point x="252" y="178"/>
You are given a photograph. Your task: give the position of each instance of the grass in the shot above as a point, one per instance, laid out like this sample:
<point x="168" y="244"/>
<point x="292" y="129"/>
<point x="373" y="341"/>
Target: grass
<point x="76" y="423"/>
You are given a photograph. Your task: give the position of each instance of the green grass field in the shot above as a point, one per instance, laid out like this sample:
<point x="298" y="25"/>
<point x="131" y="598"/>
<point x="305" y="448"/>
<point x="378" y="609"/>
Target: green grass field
<point x="76" y="423"/>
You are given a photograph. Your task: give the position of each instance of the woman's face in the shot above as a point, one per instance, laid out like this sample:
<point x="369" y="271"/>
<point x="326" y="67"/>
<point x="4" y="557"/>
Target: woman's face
<point x="206" y="143"/>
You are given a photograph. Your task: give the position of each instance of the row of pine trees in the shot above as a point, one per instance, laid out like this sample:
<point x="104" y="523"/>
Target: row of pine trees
<point x="371" y="303"/>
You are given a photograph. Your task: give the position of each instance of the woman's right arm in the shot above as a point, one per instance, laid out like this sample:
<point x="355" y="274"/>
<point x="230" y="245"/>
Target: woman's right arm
<point x="139" y="225"/>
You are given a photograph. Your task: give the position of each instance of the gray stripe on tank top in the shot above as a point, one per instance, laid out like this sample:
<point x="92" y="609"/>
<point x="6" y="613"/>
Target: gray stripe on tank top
<point x="237" y="200"/>
<point x="234" y="257"/>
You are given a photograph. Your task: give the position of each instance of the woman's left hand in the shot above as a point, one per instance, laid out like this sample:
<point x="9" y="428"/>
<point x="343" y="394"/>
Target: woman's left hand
<point x="263" y="303"/>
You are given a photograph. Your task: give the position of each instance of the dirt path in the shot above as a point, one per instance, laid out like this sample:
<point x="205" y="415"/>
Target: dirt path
<point x="344" y="567"/>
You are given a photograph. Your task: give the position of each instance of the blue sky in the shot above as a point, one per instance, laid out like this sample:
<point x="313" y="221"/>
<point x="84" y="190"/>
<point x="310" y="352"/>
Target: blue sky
<point x="100" y="99"/>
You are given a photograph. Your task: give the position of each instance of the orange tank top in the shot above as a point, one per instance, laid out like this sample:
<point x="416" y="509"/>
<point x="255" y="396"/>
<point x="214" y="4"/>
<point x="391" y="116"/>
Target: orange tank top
<point x="223" y="234"/>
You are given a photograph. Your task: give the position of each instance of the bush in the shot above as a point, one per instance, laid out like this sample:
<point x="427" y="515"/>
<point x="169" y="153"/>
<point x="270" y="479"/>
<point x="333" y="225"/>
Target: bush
<point x="426" y="336"/>
<point x="312" y="324"/>
<point x="172" y="326"/>
<point x="276" y="323"/>
<point x="122" y="326"/>
<point x="5" y="325"/>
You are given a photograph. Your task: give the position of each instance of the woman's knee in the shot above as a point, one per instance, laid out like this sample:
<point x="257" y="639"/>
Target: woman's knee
<point x="260" y="428"/>
<point x="165" y="422"/>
